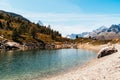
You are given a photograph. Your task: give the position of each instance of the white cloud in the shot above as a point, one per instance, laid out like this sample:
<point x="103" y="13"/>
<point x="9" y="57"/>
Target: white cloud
<point x="75" y="23"/>
<point x="65" y="30"/>
<point x="68" y="16"/>
<point x="5" y="5"/>
<point x="66" y="23"/>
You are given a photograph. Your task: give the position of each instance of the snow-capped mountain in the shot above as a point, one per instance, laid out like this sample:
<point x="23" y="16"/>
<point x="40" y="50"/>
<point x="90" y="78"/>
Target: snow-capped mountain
<point x="106" y="33"/>
<point x="84" y="34"/>
<point x="101" y="33"/>
<point x="98" y="31"/>
<point x="114" y="28"/>
<point x="101" y="29"/>
<point x="40" y="23"/>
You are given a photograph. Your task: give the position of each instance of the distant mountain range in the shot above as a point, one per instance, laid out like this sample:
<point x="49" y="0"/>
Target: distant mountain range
<point x="101" y="33"/>
<point x="73" y="36"/>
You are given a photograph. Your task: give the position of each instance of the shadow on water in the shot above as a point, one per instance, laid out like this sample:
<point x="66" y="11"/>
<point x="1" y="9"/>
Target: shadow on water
<point x="25" y="65"/>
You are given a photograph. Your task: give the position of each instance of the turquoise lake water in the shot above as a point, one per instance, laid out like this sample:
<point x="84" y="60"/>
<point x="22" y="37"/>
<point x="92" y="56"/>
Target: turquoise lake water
<point x="28" y="65"/>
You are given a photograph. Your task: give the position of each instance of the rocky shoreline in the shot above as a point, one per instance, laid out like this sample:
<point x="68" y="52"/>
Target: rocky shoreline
<point x="10" y="45"/>
<point x="106" y="68"/>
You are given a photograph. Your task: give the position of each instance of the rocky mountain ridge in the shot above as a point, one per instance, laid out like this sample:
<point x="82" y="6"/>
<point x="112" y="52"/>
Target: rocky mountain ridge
<point x="101" y="33"/>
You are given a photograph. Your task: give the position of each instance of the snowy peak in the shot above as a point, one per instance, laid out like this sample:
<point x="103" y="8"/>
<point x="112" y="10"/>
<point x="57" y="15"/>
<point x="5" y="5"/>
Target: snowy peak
<point x="114" y="28"/>
<point x="84" y="34"/>
<point x="40" y="23"/>
<point x="101" y="29"/>
<point x="109" y="33"/>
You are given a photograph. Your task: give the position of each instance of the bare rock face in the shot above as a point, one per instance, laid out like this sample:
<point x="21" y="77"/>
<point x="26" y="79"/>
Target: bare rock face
<point x="106" y="51"/>
<point x="12" y="45"/>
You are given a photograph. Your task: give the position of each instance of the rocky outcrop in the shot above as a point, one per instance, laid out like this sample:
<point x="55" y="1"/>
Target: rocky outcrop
<point x="59" y="46"/>
<point x="34" y="45"/>
<point x="106" y="51"/>
<point x="11" y="45"/>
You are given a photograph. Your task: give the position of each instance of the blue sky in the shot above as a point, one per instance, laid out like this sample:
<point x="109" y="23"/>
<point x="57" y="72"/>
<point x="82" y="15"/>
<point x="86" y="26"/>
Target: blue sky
<point x="67" y="16"/>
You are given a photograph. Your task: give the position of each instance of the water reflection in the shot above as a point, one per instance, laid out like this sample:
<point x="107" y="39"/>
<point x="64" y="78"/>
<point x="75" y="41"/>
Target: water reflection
<point x="40" y="63"/>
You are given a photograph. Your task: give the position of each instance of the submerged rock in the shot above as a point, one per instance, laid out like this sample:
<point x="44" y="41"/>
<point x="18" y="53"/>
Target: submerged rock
<point x="106" y="51"/>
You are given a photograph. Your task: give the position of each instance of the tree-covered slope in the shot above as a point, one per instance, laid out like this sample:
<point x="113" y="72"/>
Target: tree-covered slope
<point x="16" y="28"/>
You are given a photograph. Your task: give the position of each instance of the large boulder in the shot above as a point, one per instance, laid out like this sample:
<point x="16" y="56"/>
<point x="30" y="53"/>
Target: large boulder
<point x="12" y="45"/>
<point x="106" y="51"/>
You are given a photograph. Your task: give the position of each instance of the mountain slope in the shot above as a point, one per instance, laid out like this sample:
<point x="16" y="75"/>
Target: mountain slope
<point x="101" y="29"/>
<point x="15" y="27"/>
<point x="98" y="31"/>
<point x="106" y="33"/>
<point x="114" y="28"/>
<point x="4" y="15"/>
<point x="102" y="33"/>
